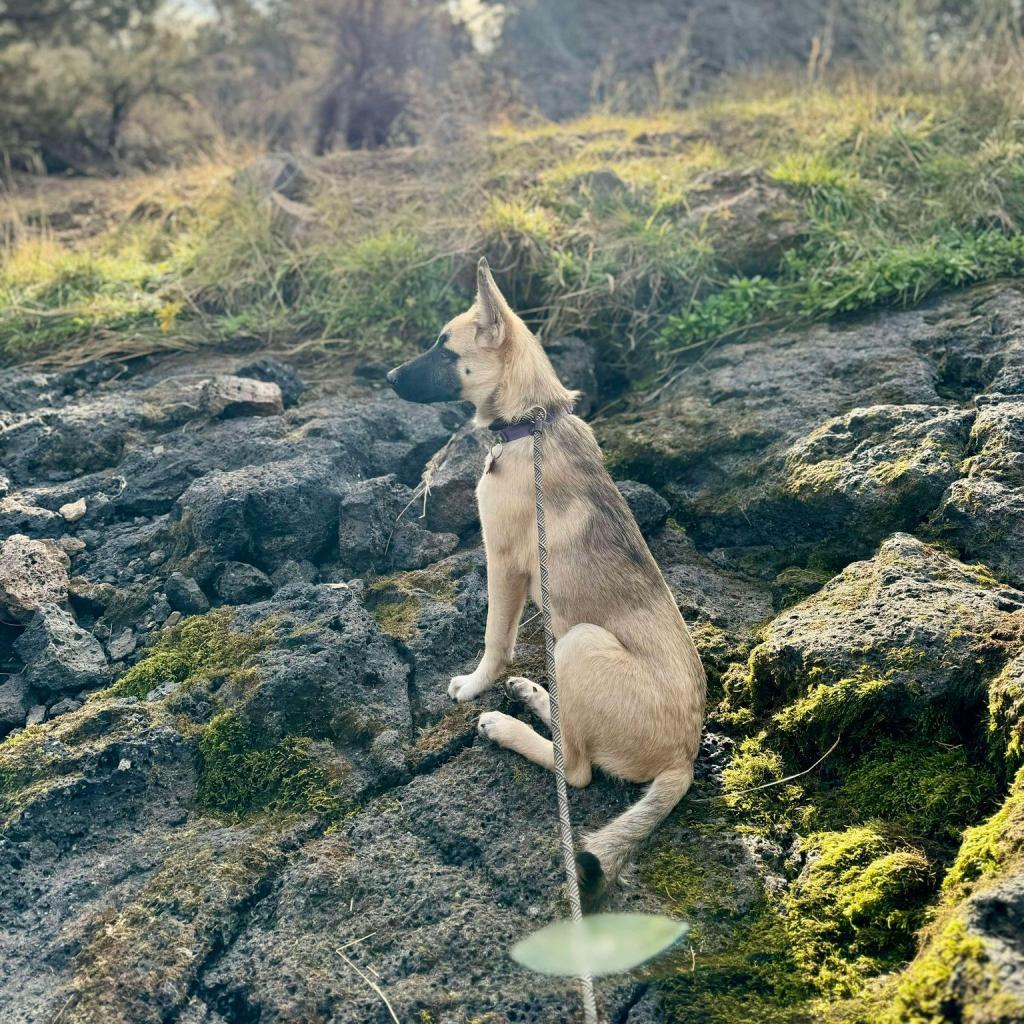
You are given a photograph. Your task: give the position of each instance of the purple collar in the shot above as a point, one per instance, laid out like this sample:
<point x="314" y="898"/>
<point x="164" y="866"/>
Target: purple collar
<point x="507" y="432"/>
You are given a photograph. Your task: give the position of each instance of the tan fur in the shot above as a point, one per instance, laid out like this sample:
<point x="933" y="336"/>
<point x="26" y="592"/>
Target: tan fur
<point x="631" y="686"/>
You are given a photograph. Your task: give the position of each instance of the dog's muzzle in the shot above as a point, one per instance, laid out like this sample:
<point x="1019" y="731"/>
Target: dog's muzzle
<point x="431" y="377"/>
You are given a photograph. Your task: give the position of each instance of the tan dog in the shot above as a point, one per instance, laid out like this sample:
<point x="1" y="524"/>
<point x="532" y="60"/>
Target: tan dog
<point x="631" y="686"/>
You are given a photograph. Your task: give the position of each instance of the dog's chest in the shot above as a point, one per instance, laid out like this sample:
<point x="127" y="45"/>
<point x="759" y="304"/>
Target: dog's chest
<point x="505" y="498"/>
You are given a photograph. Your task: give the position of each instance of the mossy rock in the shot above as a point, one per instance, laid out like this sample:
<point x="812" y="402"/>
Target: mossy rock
<point x="395" y="600"/>
<point x="856" y="906"/>
<point x="983" y="513"/>
<point x="911" y="626"/>
<point x="138" y="964"/>
<point x="1006" y="716"/>
<point x="969" y="966"/>
<point x="192" y="653"/>
<point x="241" y="775"/>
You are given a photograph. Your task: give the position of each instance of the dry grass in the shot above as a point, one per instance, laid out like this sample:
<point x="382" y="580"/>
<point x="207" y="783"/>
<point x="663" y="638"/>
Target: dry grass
<point x="907" y="182"/>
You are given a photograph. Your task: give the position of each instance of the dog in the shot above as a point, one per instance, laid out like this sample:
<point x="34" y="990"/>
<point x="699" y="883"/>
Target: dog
<point x="631" y="687"/>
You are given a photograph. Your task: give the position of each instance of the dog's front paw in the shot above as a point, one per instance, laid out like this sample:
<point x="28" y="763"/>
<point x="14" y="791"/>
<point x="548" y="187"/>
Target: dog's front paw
<point x="463" y="688"/>
<point x="497" y="727"/>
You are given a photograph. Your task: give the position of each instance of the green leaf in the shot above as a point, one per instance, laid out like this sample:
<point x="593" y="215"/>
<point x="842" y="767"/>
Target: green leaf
<point x="599" y="944"/>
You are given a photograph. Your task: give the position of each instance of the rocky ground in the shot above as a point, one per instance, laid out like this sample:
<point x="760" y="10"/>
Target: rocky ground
<point x="232" y="788"/>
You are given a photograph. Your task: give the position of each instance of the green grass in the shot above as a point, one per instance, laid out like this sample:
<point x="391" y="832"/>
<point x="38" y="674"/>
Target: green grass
<point x="900" y="186"/>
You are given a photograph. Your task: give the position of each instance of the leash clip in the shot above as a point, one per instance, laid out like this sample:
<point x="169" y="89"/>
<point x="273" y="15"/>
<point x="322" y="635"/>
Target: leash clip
<point x="539" y="416"/>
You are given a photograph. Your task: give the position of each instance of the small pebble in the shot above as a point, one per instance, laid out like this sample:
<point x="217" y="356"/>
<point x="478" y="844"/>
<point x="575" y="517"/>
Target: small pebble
<point x="73" y="510"/>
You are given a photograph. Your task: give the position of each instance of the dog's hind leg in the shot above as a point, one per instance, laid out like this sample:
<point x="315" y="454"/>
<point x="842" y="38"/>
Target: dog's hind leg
<point x="509" y="732"/>
<point x="535" y="697"/>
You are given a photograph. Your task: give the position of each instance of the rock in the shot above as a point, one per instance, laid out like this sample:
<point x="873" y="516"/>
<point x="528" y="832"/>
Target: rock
<point x="799" y="441"/>
<point x="241" y="396"/>
<point x="649" y="508"/>
<point x="291" y="572"/>
<point x="59" y="655"/>
<point x="378" y="528"/>
<point x="751" y="220"/>
<point x="573" y="360"/>
<point x="5" y="484"/>
<point x="73" y="510"/>
<point x="877" y="467"/>
<point x="434" y="844"/>
<point x="708" y="592"/>
<point x="185" y="595"/>
<point x="120" y="646"/>
<point x="292" y="221"/>
<point x="388" y="753"/>
<point x="160" y="610"/>
<point x="33" y="573"/>
<point x="995" y="915"/>
<point x="64" y="707"/>
<point x="912" y="632"/>
<point x="36" y="714"/>
<point x="269" y="513"/>
<point x="983" y="512"/>
<point x="275" y="372"/>
<point x="438" y="615"/>
<point x="90" y="598"/>
<point x="451" y="477"/>
<point x="18" y="515"/>
<point x="15" y="704"/>
<point x="275" y="172"/>
<point x="172" y="620"/>
<point x="71" y="545"/>
<point x="1006" y="716"/>
<point x="239" y="583"/>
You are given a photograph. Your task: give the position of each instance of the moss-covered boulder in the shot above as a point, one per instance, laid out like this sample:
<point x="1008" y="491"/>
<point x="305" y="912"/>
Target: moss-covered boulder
<point x="818" y="443"/>
<point x="1006" y="715"/>
<point x="910" y="632"/>
<point x="983" y="513"/>
<point x="969" y="967"/>
<point x="853" y="910"/>
<point x="876" y="469"/>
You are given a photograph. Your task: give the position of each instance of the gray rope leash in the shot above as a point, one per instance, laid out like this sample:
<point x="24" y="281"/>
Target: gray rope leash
<point x="564" y="821"/>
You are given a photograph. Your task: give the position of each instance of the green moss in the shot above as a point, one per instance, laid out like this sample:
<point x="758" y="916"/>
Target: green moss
<point x="753" y="764"/>
<point x="928" y="791"/>
<point x="240" y="775"/>
<point x="397" y="618"/>
<point x="194" y="651"/>
<point x="852" y="708"/>
<point x="1006" y="716"/>
<point x="752" y="977"/>
<point x="23" y="759"/>
<point x="814" y="476"/>
<point x="689" y="882"/>
<point x="952" y="979"/>
<point x="395" y="600"/>
<point x="736" y="964"/>
<point x="853" y="911"/>
<point x="990" y="846"/>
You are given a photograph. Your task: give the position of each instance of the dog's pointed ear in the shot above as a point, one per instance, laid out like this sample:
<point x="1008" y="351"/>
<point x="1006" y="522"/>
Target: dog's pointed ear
<point x="492" y="311"/>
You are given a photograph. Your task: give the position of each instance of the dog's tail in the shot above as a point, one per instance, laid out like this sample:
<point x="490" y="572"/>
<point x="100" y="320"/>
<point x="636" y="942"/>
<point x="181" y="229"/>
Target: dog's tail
<point x="606" y="851"/>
